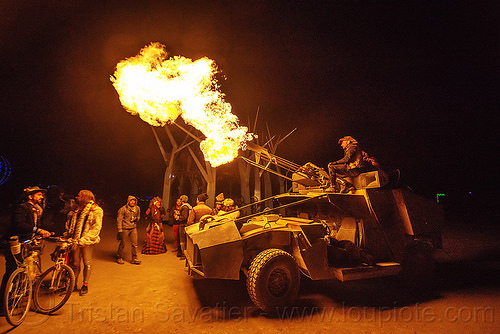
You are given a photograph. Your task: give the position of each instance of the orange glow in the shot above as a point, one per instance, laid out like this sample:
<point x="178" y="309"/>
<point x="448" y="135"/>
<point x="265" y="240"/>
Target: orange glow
<point x="160" y="88"/>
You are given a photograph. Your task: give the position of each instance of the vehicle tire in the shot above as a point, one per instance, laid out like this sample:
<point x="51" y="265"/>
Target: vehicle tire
<point x="17" y="297"/>
<point x="273" y="280"/>
<point x="53" y="289"/>
<point x="418" y="269"/>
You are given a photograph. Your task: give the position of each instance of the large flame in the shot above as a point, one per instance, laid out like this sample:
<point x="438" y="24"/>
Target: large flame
<point x="159" y="89"/>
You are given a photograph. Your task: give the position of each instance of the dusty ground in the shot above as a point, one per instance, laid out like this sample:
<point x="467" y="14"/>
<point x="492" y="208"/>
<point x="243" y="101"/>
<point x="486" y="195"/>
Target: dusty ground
<point x="158" y="296"/>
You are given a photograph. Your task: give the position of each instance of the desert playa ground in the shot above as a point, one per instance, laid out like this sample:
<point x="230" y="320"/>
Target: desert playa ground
<point x="158" y="296"/>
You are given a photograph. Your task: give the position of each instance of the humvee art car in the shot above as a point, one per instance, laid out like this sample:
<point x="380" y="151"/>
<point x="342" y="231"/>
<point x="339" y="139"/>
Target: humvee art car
<point x="275" y="248"/>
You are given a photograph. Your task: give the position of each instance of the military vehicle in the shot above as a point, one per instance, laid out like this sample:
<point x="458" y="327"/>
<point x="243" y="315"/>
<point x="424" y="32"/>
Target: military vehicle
<point x="376" y="230"/>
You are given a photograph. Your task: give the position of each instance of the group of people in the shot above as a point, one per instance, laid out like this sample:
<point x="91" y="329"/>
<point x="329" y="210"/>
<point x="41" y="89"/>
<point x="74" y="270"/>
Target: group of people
<point x="84" y="220"/>
<point x="84" y="223"/>
<point x="183" y="214"/>
<point x="83" y="226"/>
<point x="127" y="218"/>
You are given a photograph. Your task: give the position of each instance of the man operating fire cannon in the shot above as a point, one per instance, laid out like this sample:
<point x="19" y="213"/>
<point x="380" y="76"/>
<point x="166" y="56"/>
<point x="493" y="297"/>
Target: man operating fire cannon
<point x="352" y="164"/>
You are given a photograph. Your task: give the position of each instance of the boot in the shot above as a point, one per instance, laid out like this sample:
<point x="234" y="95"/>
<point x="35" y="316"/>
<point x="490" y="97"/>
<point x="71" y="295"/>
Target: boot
<point x="344" y="186"/>
<point x="348" y="188"/>
<point x="340" y="185"/>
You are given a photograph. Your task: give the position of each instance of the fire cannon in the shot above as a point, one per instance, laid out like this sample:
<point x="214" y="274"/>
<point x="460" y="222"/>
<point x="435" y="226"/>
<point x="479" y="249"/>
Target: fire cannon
<point x="378" y="230"/>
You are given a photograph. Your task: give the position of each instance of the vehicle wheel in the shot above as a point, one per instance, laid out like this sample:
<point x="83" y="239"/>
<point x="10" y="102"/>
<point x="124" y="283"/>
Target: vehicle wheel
<point x="418" y="267"/>
<point x="273" y="280"/>
<point x="53" y="289"/>
<point x="17" y="298"/>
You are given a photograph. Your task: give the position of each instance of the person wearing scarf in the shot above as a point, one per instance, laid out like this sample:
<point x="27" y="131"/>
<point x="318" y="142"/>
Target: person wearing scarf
<point x="84" y="226"/>
<point x="24" y="223"/>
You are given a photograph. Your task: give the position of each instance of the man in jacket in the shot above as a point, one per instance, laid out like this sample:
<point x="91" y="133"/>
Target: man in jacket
<point x="128" y="216"/>
<point x="25" y="222"/>
<point x="199" y="210"/>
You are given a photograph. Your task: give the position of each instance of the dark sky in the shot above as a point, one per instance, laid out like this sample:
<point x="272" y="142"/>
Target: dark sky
<point x="417" y="84"/>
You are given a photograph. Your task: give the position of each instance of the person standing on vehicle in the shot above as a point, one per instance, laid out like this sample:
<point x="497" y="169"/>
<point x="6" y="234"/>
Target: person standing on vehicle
<point x="184" y="211"/>
<point x="24" y="223"/>
<point x="199" y="210"/>
<point x="84" y="226"/>
<point x="128" y="216"/>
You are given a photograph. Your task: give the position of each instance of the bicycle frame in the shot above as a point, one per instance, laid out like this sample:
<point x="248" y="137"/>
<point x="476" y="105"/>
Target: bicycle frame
<point x="19" y="287"/>
<point x="54" y="287"/>
<point x="60" y="256"/>
<point x="31" y="260"/>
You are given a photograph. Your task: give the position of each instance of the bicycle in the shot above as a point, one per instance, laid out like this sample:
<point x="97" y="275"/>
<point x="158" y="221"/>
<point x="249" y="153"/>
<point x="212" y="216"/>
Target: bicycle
<point x="49" y="290"/>
<point x="53" y="288"/>
<point x="18" y="290"/>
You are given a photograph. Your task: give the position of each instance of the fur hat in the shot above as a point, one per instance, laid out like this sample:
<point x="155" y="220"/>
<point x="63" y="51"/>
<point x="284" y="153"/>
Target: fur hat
<point x="347" y="138"/>
<point x="184" y="198"/>
<point x="228" y="202"/>
<point x="219" y="199"/>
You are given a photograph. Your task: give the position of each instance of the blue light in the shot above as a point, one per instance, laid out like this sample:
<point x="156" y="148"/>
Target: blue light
<point x="5" y="170"/>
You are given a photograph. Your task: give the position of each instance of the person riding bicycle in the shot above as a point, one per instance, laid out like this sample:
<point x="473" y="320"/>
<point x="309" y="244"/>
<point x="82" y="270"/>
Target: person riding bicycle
<point x="24" y="224"/>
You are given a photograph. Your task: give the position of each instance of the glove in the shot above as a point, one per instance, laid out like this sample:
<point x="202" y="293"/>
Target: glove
<point x="119" y="236"/>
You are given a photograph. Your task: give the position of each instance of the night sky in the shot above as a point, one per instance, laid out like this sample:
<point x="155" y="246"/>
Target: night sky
<point x="415" y="83"/>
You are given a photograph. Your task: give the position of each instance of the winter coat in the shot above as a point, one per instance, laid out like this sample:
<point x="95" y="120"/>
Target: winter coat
<point x="89" y="221"/>
<point x="197" y="212"/>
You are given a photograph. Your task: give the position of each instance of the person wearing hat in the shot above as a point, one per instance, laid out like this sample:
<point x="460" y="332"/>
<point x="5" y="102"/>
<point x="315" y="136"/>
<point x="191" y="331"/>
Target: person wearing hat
<point x="26" y="218"/>
<point x="219" y="201"/>
<point x="25" y="222"/>
<point x="228" y="206"/>
<point x="349" y="165"/>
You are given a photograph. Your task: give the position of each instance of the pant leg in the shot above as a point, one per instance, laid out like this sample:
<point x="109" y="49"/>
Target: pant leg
<point x="121" y="246"/>
<point x="10" y="267"/>
<point x="337" y="170"/>
<point x="181" y="238"/>
<point x="76" y="256"/>
<point x="175" y="230"/>
<point x="86" y="252"/>
<point x="133" y="242"/>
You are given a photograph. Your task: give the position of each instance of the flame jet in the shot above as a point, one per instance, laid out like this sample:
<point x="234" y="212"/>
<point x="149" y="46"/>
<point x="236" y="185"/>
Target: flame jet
<point x="160" y="88"/>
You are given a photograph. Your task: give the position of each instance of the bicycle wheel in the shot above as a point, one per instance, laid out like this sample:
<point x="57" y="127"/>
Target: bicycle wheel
<point x="53" y="289"/>
<point x="17" y="298"/>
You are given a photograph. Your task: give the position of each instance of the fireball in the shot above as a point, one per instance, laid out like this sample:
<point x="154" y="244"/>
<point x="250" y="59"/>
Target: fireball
<point x="160" y="88"/>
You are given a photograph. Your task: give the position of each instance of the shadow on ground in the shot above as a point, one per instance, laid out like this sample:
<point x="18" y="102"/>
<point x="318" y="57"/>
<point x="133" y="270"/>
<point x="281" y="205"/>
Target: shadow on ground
<point x="465" y="263"/>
